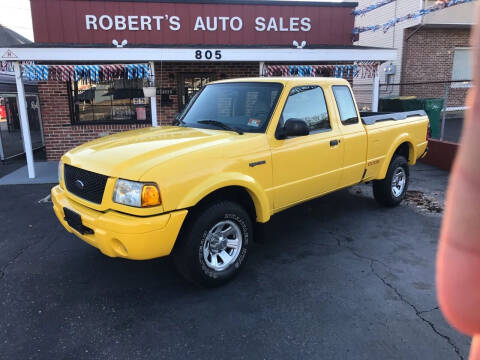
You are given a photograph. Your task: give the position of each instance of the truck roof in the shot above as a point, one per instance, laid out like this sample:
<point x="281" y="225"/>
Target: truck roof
<point x="289" y="80"/>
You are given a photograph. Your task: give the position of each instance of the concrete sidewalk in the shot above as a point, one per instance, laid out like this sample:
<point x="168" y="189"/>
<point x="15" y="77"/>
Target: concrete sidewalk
<point x="46" y="173"/>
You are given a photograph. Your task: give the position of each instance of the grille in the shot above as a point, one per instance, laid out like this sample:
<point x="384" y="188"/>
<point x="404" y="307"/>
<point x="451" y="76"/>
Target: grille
<point x="93" y="183"/>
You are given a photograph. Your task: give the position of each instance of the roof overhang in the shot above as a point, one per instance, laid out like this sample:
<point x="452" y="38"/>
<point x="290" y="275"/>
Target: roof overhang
<point x="442" y="26"/>
<point x="255" y="2"/>
<point x="96" y="54"/>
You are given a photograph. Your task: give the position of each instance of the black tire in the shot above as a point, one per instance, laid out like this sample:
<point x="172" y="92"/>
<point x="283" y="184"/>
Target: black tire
<point x="188" y="254"/>
<point x="382" y="189"/>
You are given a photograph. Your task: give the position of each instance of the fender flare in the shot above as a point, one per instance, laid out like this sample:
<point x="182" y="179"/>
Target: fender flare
<point x="412" y="156"/>
<point x="219" y="181"/>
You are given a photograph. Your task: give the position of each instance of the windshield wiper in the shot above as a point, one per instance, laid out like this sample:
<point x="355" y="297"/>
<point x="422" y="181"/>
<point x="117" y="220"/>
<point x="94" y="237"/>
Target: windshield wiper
<point x="220" y="125"/>
<point x="177" y="122"/>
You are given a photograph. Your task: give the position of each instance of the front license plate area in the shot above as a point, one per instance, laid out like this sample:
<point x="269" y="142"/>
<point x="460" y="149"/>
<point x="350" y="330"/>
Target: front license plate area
<point x="75" y="221"/>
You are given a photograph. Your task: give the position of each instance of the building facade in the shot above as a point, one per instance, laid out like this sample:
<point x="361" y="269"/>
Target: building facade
<point x="180" y="80"/>
<point x="11" y="142"/>
<point x="431" y="50"/>
<point x="436" y="56"/>
<point x="94" y="64"/>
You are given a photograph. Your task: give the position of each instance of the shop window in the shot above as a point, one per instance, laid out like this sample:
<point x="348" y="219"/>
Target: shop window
<point x="190" y="84"/>
<point x="118" y="101"/>
<point x="11" y="143"/>
<point x="462" y="69"/>
<point x="345" y="104"/>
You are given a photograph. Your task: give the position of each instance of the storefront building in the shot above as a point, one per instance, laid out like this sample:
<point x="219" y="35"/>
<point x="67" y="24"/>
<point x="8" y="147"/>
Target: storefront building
<point x="11" y="142"/>
<point x="99" y="56"/>
<point x="433" y="50"/>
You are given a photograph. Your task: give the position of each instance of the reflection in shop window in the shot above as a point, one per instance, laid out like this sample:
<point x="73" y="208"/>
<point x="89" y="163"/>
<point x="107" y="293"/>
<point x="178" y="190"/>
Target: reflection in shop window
<point x="118" y="101"/>
<point x="225" y="105"/>
<point x="256" y="102"/>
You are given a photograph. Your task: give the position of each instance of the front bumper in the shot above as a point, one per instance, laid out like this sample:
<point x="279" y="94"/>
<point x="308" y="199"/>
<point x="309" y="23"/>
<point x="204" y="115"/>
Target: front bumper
<point x="121" y="235"/>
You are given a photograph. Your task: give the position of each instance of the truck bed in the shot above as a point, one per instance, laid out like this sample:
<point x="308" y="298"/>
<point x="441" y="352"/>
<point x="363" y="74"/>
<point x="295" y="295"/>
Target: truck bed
<point x="370" y="118"/>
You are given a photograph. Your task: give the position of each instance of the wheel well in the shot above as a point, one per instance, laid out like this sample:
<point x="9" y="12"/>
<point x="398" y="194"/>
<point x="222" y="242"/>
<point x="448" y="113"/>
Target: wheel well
<point x="237" y="194"/>
<point x="404" y="150"/>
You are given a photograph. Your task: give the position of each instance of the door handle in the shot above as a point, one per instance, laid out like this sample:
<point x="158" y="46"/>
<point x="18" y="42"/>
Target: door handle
<point x="334" y="143"/>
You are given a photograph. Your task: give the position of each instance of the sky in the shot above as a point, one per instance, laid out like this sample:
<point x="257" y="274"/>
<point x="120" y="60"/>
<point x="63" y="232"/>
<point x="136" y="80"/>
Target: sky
<point x="15" y="15"/>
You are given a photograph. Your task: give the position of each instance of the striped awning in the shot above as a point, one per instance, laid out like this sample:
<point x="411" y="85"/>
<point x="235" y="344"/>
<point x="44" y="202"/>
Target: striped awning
<point x="91" y="73"/>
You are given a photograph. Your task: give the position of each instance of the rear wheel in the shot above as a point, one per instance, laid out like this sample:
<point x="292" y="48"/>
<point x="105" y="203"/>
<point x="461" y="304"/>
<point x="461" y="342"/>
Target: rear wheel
<point x="391" y="190"/>
<point x="214" y="244"/>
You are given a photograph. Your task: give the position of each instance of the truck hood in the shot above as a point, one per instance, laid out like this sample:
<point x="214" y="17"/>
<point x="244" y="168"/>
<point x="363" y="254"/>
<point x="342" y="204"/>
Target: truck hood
<point x="135" y="152"/>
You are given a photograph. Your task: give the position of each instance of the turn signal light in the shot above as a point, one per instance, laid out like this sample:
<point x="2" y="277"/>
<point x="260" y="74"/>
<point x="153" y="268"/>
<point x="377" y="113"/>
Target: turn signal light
<point x="150" y="195"/>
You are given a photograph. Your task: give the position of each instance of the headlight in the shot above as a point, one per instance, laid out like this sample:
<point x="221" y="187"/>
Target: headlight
<point x="136" y="194"/>
<point x="60" y="168"/>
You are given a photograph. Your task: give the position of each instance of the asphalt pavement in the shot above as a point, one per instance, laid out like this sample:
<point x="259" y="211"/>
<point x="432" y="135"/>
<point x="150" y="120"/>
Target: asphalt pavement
<point x="339" y="278"/>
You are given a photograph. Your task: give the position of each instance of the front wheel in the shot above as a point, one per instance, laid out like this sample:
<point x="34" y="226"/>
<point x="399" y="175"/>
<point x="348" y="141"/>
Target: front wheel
<point x="214" y="244"/>
<point x="391" y="190"/>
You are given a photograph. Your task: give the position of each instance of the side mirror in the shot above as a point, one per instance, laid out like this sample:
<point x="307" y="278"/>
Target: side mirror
<point x="295" y="127"/>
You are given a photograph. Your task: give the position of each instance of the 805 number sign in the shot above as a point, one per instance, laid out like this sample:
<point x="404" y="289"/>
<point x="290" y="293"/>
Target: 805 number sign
<point x="208" y="54"/>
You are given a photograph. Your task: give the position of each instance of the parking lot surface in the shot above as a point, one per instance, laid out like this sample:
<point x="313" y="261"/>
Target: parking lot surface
<point x="338" y="278"/>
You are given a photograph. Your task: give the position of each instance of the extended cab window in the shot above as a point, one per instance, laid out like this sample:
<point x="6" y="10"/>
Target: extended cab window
<point x="308" y="104"/>
<point x="345" y="104"/>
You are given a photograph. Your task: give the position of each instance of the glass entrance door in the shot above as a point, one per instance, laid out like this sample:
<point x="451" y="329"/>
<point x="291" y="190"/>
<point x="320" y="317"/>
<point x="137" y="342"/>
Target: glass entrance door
<point x="189" y="84"/>
<point x="10" y="134"/>
<point x="11" y="142"/>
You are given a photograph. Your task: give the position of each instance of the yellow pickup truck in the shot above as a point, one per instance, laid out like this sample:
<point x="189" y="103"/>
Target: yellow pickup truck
<point x="241" y="151"/>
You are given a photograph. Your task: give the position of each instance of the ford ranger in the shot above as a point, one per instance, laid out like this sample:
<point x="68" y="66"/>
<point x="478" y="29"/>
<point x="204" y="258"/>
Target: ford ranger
<point x="240" y="152"/>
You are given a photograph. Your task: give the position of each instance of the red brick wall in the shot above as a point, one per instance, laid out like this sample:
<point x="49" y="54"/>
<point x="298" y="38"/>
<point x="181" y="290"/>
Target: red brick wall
<point x="61" y="136"/>
<point x="428" y="56"/>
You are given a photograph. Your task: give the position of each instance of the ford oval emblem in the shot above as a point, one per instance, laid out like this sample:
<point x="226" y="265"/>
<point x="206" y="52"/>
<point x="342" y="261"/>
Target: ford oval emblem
<point x="79" y="184"/>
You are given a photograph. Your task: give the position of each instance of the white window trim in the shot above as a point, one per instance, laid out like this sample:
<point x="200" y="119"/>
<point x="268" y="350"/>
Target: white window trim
<point x="461" y="85"/>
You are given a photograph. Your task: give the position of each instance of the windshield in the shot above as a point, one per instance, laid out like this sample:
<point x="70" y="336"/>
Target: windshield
<point x="246" y="106"/>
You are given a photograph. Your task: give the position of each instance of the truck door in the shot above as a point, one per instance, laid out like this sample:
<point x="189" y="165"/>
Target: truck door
<point x="354" y="136"/>
<point x="306" y="166"/>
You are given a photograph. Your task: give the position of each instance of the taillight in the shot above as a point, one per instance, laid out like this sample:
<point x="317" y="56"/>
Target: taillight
<point x="429" y="132"/>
